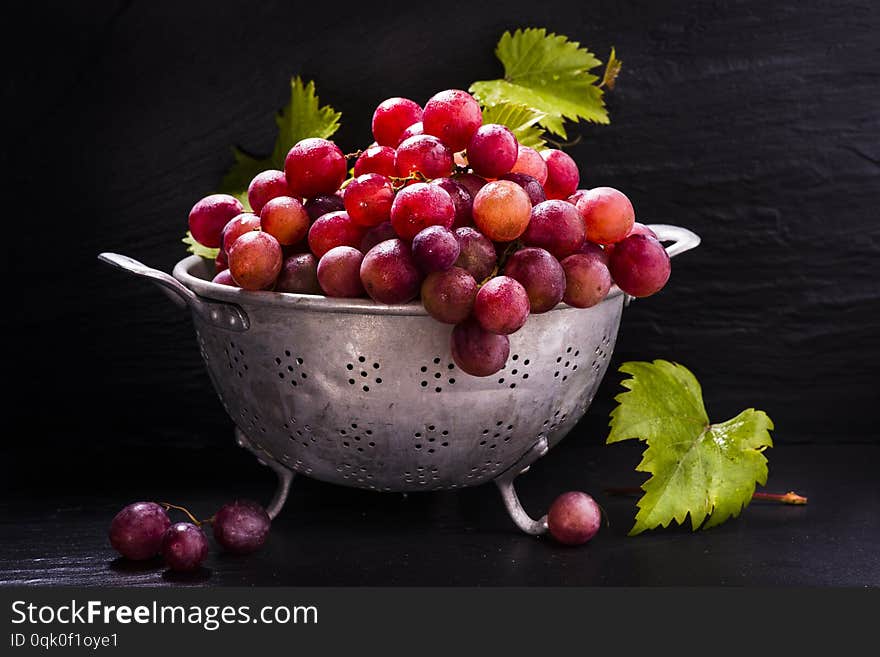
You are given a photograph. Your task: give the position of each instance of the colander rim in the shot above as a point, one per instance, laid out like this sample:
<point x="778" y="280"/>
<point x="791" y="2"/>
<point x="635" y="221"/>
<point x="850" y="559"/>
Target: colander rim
<point x="184" y="271"/>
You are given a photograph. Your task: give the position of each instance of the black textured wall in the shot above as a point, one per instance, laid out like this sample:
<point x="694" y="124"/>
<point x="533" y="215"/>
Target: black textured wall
<point x="756" y="124"/>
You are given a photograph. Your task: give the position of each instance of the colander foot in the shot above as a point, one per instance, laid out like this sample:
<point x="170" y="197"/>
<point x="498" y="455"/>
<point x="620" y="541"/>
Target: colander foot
<point x="285" y="475"/>
<point x="519" y="516"/>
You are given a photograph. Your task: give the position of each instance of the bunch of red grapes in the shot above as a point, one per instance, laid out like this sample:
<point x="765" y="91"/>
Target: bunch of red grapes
<point x="443" y="208"/>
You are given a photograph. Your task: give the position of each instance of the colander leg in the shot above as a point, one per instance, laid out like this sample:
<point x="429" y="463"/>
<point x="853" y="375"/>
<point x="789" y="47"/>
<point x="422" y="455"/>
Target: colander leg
<point x="508" y="492"/>
<point x="285" y="475"/>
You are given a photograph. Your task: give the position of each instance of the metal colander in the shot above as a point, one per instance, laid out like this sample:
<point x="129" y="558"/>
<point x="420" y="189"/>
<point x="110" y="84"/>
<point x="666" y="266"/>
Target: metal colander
<point x="363" y="394"/>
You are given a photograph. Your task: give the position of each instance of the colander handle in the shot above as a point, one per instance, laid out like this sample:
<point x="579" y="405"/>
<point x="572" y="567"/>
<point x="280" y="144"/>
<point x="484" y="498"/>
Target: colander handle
<point x="225" y="315"/>
<point x="682" y="239"/>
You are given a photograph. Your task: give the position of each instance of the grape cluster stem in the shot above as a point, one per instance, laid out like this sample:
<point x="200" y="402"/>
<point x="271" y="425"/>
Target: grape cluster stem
<point x="783" y="498"/>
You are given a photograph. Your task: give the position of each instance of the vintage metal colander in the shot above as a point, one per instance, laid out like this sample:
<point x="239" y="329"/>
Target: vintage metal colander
<point x="363" y="394"/>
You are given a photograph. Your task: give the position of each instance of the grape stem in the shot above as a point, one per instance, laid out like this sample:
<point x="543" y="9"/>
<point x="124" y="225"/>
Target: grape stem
<point x="511" y="248"/>
<point x="198" y="523"/>
<point x="784" y="498"/>
<point x="357" y="153"/>
<point x="564" y="144"/>
<point x="399" y="183"/>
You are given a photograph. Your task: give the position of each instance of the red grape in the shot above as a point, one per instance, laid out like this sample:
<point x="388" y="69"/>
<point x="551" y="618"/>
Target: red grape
<point x="562" y="174"/>
<point x="392" y="117"/>
<point x="208" y="217"/>
<point x="540" y="274"/>
<point x="237" y="226"/>
<point x="492" y="151"/>
<point x="453" y="116"/>
<point x="637" y="229"/>
<point x="531" y="186"/>
<point x="595" y="251"/>
<point x="331" y="230"/>
<point x="639" y="265"/>
<point x="136" y="531"/>
<point x="285" y="219"/>
<point x="314" y="166"/>
<point x="264" y="187"/>
<point x="224" y="278"/>
<point x="471" y="182"/>
<point x="376" y="234"/>
<point x="339" y="272"/>
<point x="461" y="199"/>
<point x="502" y="305"/>
<point x="477" y="253"/>
<point x="184" y="547"/>
<point x="501" y="210"/>
<point x="574" y="518"/>
<point x="421" y="205"/>
<point x="376" y="159"/>
<point x="435" y="249"/>
<point x="255" y="260"/>
<point x="587" y="280"/>
<point x="423" y="154"/>
<point x="368" y="199"/>
<point x="299" y="274"/>
<point x="241" y="527"/>
<point x="321" y="205"/>
<point x="530" y="162"/>
<point x="607" y="213"/>
<point x="389" y="273"/>
<point x="411" y="131"/>
<point x="476" y="351"/>
<point x="449" y="295"/>
<point x="556" y="226"/>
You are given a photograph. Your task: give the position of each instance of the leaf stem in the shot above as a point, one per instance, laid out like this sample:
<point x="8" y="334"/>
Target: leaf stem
<point x="784" y="498"/>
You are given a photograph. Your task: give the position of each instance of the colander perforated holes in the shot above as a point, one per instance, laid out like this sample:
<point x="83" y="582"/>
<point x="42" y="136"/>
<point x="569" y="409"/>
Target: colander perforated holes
<point x="433" y="375"/>
<point x="290" y="367"/>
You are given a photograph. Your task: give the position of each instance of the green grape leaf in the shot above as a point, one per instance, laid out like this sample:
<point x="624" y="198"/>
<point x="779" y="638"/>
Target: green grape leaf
<point x="706" y="470"/>
<point x="199" y="249"/>
<point x="548" y="73"/>
<point x="521" y="120"/>
<point x="301" y="118"/>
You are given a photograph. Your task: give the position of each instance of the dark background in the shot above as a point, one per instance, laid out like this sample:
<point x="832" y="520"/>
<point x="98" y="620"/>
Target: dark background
<point x="756" y="124"/>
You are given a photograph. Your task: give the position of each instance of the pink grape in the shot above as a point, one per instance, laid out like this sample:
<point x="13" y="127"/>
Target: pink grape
<point x="241" y="527"/>
<point x="368" y="199"/>
<point x="502" y="305"/>
<point x="556" y="226"/>
<point x="237" y="226"/>
<point x="376" y="159"/>
<point x="208" y="217"/>
<point x="255" y="260"/>
<point x="314" y="166"/>
<point x="323" y="204"/>
<point x="184" y="547"/>
<point x="299" y="274"/>
<point x="502" y="210"/>
<point x="331" y="230"/>
<point x="562" y="174"/>
<point x="264" y="187"/>
<point x="587" y="280"/>
<point x="607" y="213"/>
<point x="389" y="273"/>
<point x="531" y="186"/>
<point x="453" y="116"/>
<point x="492" y="150"/>
<point x="574" y="518"/>
<point x="339" y="272"/>
<point x="224" y="278"/>
<point x="639" y="265"/>
<point x="435" y="249"/>
<point x="540" y="274"/>
<point x="461" y="199"/>
<point x="136" y="532"/>
<point x="411" y="131"/>
<point x="423" y="154"/>
<point x="392" y="117"/>
<point x="530" y="162"/>
<point x="285" y="219"/>
<point x="471" y="182"/>
<point x="476" y="351"/>
<point x="637" y="229"/>
<point x="421" y="205"/>
<point x="477" y="253"/>
<point x="449" y="295"/>
<point x="376" y="234"/>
